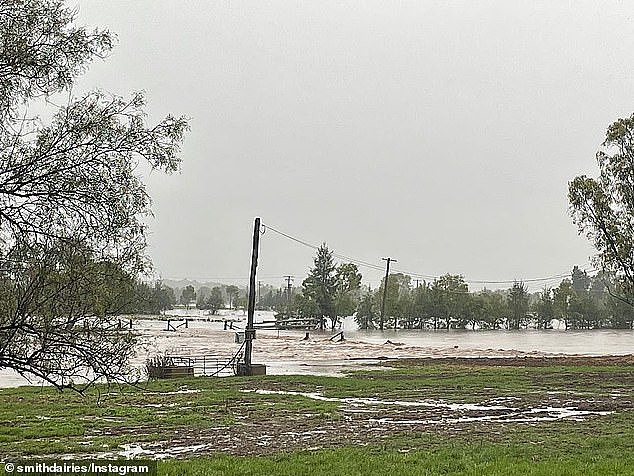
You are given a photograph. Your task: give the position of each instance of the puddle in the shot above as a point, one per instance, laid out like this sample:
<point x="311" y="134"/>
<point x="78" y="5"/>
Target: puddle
<point x="550" y="414"/>
<point x="155" y="451"/>
<point x="360" y="402"/>
<point x="162" y="405"/>
<point x="502" y="413"/>
<point x="175" y="392"/>
<point x="106" y="419"/>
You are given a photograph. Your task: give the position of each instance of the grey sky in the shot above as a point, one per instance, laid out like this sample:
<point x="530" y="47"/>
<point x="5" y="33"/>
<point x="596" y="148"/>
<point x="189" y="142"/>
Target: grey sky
<point x="439" y="133"/>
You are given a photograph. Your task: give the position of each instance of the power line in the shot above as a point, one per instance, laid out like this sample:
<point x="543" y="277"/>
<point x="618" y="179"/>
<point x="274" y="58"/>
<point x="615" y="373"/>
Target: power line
<point x="483" y="281"/>
<point x="315" y="247"/>
<point x="215" y="278"/>
<point x="419" y="275"/>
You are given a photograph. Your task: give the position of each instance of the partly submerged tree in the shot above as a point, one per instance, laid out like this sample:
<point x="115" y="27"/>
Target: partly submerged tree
<point x="450" y="293"/>
<point x="188" y="296"/>
<point x="603" y="208"/>
<point x="562" y="297"/>
<point x="213" y="301"/>
<point x="517" y="304"/>
<point x="232" y="294"/>
<point x="321" y="284"/>
<point x="71" y="204"/>
<point x="544" y="310"/>
<point x="348" y="288"/>
<point x="367" y="312"/>
<point x="396" y="298"/>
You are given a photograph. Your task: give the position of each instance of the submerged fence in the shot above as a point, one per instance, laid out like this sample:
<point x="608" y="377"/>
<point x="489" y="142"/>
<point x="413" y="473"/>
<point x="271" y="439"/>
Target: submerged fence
<point x="208" y="365"/>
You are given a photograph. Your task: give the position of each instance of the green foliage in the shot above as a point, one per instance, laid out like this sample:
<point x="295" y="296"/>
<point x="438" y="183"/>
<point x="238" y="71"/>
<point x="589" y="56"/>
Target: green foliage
<point x="603" y="208"/>
<point x="329" y="291"/>
<point x="348" y="288"/>
<point x="447" y="303"/>
<point x="367" y="312"/>
<point x="562" y="296"/>
<point x="397" y="302"/>
<point x="213" y="301"/>
<point x="232" y="294"/>
<point x="580" y="281"/>
<point x="305" y="307"/>
<point x="72" y="207"/>
<point x="43" y="51"/>
<point x="544" y="309"/>
<point x="188" y="295"/>
<point x="621" y="313"/>
<point x="449" y="294"/>
<point x="496" y="310"/>
<point x="321" y="284"/>
<point x="421" y="308"/>
<point x="518" y="305"/>
<point x="148" y="299"/>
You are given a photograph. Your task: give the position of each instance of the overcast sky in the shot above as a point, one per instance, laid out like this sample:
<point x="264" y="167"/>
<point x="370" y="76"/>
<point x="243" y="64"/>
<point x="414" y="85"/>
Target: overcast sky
<point x="442" y="134"/>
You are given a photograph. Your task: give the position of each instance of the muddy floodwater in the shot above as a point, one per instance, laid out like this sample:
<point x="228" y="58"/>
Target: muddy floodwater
<point x="286" y="352"/>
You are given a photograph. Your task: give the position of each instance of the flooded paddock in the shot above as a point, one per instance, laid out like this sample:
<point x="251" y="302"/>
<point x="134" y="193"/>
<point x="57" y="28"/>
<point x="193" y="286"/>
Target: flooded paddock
<point x="286" y="351"/>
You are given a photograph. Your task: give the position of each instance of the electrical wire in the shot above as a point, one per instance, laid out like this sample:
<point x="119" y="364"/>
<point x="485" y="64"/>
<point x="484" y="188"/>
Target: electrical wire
<point x="419" y="275"/>
<point x="335" y="254"/>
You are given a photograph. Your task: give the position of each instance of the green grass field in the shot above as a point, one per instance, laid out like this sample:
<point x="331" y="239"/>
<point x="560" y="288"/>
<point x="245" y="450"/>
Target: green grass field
<point x="417" y="417"/>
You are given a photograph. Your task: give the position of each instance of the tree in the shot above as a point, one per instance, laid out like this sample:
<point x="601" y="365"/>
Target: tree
<point x="518" y="304"/>
<point x="367" y="314"/>
<point x="496" y="309"/>
<point x="305" y="308"/>
<point x="214" y="300"/>
<point x="397" y="299"/>
<point x="163" y="297"/>
<point x="348" y="284"/>
<point x="580" y="281"/>
<point x="321" y="284"/>
<point x="232" y="294"/>
<point x="562" y="295"/>
<point x="449" y="292"/>
<point x="603" y="208"/>
<point x="242" y="302"/>
<point x="474" y="311"/>
<point x="201" y="296"/>
<point x="584" y="310"/>
<point x="621" y="314"/>
<point x="544" y="309"/>
<point x="188" y="295"/>
<point x="72" y="205"/>
<point x="203" y="291"/>
<point x="422" y="306"/>
<point x="43" y="51"/>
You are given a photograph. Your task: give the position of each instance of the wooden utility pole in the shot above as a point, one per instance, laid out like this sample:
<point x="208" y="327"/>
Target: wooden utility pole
<point x="249" y="332"/>
<point x="387" y="273"/>
<point x="288" y="295"/>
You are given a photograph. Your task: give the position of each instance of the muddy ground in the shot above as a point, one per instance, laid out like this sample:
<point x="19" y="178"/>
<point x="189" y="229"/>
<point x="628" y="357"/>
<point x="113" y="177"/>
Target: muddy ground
<point x="389" y="414"/>
<point x="527" y="361"/>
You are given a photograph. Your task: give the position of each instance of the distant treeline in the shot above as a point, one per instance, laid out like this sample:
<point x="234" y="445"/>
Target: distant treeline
<point x="582" y="302"/>
<point x="331" y="292"/>
<point x="144" y="298"/>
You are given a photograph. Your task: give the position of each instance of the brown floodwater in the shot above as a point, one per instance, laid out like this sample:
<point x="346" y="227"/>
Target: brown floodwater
<point x="286" y="352"/>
